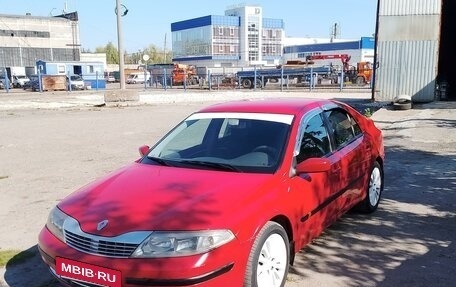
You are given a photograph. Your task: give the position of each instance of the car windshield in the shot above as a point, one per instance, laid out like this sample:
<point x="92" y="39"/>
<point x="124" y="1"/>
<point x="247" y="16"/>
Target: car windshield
<point x="76" y="78"/>
<point x="235" y="142"/>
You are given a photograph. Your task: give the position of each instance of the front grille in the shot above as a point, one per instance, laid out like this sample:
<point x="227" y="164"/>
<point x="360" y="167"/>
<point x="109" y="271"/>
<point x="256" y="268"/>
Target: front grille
<point x="75" y="283"/>
<point x="100" y="247"/>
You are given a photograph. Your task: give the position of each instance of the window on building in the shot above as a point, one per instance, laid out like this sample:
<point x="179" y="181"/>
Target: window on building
<point x="220" y="30"/>
<point x="231" y="31"/>
<point x="61" y="69"/>
<point x="91" y="69"/>
<point x="221" y="48"/>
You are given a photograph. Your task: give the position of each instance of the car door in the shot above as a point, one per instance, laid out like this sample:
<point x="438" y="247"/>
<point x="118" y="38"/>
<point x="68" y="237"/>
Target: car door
<point x="349" y="144"/>
<point x="317" y="192"/>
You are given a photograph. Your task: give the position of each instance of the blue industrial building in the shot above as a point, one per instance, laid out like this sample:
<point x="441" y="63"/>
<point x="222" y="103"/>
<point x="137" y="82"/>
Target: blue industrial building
<point x="242" y="37"/>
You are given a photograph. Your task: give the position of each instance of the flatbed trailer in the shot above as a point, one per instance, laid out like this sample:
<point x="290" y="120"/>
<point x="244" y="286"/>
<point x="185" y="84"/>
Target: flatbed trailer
<point x="247" y="79"/>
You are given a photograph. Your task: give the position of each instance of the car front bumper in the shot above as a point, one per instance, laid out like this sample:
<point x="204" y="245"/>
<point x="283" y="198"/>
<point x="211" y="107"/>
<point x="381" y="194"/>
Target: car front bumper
<point x="212" y="269"/>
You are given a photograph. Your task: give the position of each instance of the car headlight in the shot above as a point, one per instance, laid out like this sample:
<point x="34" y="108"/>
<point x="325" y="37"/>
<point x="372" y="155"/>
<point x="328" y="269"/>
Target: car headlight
<point x="174" y="244"/>
<point x="55" y="222"/>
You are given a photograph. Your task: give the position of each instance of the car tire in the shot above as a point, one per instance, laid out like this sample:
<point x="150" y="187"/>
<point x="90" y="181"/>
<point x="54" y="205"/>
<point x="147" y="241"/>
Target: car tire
<point x="269" y="258"/>
<point x="360" y="81"/>
<point x="402" y="106"/>
<point x="373" y="191"/>
<point x="259" y="84"/>
<point x="246" y="83"/>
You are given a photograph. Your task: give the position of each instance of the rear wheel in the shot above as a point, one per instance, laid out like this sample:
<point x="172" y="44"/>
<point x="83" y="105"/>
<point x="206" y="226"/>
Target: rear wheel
<point x="374" y="190"/>
<point x="246" y="83"/>
<point x="259" y="83"/>
<point x="268" y="261"/>
<point x="360" y="81"/>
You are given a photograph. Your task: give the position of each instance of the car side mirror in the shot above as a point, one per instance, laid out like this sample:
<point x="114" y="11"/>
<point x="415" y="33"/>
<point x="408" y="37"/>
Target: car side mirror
<point x="143" y="150"/>
<point x="313" y="165"/>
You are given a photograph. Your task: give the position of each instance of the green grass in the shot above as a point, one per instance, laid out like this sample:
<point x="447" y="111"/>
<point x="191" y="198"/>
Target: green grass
<point x="13" y="257"/>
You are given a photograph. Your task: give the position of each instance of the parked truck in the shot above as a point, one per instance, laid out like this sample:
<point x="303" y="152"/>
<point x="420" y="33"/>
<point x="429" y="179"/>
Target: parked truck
<point x="184" y="74"/>
<point x="17" y="76"/>
<point x="360" y="74"/>
<point x="299" y="73"/>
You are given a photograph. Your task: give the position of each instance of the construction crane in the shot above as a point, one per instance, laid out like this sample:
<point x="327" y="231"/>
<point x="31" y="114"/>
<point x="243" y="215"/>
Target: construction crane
<point x="361" y="75"/>
<point x="345" y="58"/>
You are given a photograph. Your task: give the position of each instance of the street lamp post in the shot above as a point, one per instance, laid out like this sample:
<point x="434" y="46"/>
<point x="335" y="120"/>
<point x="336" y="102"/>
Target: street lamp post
<point x="120" y="45"/>
<point x="146" y="58"/>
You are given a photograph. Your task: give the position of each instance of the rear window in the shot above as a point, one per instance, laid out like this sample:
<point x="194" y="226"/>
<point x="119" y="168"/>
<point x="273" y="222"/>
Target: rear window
<point x="342" y="126"/>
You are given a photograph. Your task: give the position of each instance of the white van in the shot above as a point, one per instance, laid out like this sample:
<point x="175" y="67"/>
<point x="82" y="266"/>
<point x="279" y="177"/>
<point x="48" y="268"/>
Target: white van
<point x="138" y="78"/>
<point x="20" y="80"/>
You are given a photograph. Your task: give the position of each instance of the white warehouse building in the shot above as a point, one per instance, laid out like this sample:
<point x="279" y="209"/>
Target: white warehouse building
<point x="25" y="39"/>
<point x="359" y="51"/>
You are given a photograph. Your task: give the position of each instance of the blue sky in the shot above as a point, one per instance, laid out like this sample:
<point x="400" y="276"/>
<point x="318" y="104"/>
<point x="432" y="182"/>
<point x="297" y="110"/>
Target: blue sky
<point x="147" y="22"/>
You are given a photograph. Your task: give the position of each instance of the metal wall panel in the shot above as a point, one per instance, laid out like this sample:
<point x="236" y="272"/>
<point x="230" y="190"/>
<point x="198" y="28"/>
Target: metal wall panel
<point x="407" y="49"/>
<point x="407" y="67"/>
<point x="409" y="7"/>
<point x="409" y="28"/>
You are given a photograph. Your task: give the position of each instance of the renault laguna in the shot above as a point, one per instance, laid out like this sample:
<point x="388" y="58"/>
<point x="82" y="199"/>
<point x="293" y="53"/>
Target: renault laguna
<point x="226" y="198"/>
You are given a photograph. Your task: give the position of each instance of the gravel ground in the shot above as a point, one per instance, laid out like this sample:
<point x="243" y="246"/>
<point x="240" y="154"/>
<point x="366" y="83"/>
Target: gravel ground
<point x="52" y="144"/>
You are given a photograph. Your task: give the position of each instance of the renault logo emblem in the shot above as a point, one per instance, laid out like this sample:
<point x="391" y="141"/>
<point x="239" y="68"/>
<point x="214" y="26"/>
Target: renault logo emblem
<point x="102" y="224"/>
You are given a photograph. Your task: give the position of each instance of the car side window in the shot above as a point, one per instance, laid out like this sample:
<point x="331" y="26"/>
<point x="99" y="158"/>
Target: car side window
<point x="315" y="140"/>
<point x="356" y="128"/>
<point x="342" y="126"/>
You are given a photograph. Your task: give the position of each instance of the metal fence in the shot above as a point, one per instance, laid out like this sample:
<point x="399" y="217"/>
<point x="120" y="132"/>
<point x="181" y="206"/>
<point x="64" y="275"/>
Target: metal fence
<point x="264" y="79"/>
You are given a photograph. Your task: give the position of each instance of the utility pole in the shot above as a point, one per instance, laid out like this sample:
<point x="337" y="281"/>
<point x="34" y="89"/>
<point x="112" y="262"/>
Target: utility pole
<point x="335" y="32"/>
<point x="164" y="51"/>
<point x="120" y="45"/>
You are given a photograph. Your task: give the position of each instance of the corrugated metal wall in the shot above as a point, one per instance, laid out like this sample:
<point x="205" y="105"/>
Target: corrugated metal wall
<point x="409" y="7"/>
<point x="407" y="49"/>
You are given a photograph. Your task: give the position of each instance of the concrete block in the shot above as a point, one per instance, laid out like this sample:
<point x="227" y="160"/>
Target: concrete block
<point x="121" y="96"/>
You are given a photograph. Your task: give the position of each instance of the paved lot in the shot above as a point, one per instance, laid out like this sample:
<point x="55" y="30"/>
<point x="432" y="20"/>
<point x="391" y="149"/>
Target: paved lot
<point x="51" y="144"/>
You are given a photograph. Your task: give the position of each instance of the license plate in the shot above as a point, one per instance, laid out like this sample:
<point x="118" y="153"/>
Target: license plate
<point x="87" y="272"/>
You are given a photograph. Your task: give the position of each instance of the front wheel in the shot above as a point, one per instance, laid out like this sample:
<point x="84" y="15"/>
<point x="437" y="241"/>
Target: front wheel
<point x="267" y="265"/>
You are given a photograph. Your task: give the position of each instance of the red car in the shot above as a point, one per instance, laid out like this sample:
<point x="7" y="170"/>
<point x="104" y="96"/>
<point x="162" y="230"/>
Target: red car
<point x="226" y="198"/>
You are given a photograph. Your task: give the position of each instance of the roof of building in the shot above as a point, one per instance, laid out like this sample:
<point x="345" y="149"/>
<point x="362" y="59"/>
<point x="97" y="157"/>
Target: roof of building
<point x="363" y="43"/>
<point x="72" y="16"/>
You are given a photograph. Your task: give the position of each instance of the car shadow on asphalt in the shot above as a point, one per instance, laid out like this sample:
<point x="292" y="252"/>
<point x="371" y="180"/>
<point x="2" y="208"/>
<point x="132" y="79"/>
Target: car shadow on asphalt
<point x="28" y="269"/>
<point x="408" y="241"/>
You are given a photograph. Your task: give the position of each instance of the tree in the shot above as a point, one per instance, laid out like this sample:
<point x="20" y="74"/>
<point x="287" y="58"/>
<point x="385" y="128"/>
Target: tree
<point x="156" y="55"/>
<point x="112" y="54"/>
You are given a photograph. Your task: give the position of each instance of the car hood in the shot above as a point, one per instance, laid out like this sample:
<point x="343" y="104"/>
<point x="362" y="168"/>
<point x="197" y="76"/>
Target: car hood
<point x="147" y="197"/>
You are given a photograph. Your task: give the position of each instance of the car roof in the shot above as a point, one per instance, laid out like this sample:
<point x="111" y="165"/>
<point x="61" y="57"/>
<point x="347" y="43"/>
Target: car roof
<point x="292" y="106"/>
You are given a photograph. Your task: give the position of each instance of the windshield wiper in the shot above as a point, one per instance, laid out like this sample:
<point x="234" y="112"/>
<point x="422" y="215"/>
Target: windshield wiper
<point x="215" y="165"/>
<point x="159" y="160"/>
